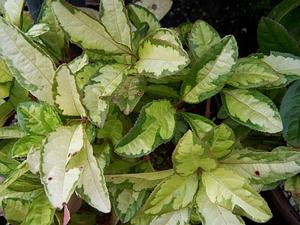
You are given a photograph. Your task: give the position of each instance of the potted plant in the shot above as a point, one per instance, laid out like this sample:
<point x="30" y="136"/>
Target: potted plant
<point x="83" y="137"/>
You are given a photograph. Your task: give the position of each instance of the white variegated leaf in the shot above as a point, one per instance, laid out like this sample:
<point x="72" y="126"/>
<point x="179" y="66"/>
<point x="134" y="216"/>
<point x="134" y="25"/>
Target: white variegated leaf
<point x="38" y="30"/>
<point x="167" y="35"/>
<point x="13" y="11"/>
<point x="179" y="217"/>
<point x="158" y="7"/>
<point x="252" y="109"/>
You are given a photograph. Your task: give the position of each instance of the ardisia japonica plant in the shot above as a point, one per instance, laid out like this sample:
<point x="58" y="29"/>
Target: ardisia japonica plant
<point x="92" y="127"/>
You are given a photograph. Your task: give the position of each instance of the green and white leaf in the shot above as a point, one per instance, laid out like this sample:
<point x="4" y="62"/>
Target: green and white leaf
<point x="179" y="217"/>
<point x="159" y="59"/>
<point x="65" y="92"/>
<point x="31" y="68"/>
<point x="114" y="17"/>
<point x="84" y="74"/>
<point x="139" y="15"/>
<point x="231" y="191"/>
<point x="284" y="63"/>
<point x="199" y="124"/>
<point x="40" y="211"/>
<point x="129" y="93"/>
<point x="202" y="37"/>
<point x="11" y="132"/>
<point x="84" y="30"/>
<point x="158" y="7"/>
<point x="252" y="72"/>
<point x="15" y="210"/>
<point x="79" y="63"/>
<point x="210" y="74"/>
<point x="263" y="167"/>
<point x="172" y="194"/>
<point x="23" y="145"/>
<point x="155" y="126"/>
<point x="101" y="86"/>
<point x="60" y="146"/>
<point x="166" y="35"/>
<point x="91" y="186"/>
<point x="252" y="109"/>
<point x="212" y="213"/>
<point x="37" y="30"/>
<point x="37" y="118"/>
<point x="13" y="11"/>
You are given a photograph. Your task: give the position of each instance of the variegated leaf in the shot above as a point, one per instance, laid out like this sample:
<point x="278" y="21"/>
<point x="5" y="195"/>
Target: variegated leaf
<point x="31" y="68"/>
<point x="15" y="210"/>
<point x="210" y="74"/>
<point x="113" y="15"/>
<point x="202" y="37"/>
<point x="13" y="11"/>
<point x="37" y="30"/>
<point x="159" y="58"/>
<point x="158" y="7"/>
<point x="230" y="190"/>
<point x="11" y="132"/>
<point x="178" y="217"/>
<point x="60" y="146"/>
<point x="154" y="127"/>
<point x="252" y="109"/>
<point x="23" y="145"/>
<point x="166" y="35"/>
<point x="65" y="92"/>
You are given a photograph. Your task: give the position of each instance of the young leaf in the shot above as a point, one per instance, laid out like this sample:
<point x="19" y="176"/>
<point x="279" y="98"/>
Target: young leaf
<point x="159" y="59"/>
<point x="289" y="111"/>
<point x="14" y="11"/>
<point x="212" y="213"/>
<point x="188" y="156"/>
<point x="101" y="86"/>
<point x="252" y="109"/>
<point x="23" y="145"/>
<point x="65" y="92"/>
<point x="174" y="193"/>
<point x="211" y="72"/>
<point x="252" y="72"/>
<point x="37" y="30"/>
<point x="284" y="63"/>
<point x="178" y="217"/>
<point x="129" y="94"/>
<point x="60" y="146"/>
<point x="158" y="7"/>
<point x="91" y="186"/>
<point x="37" y="118"/>
<point x="113" y="15"/>
<point x="231" y="191"/>
<point x="84" y="30"/>
<point x="199" y="124"/>
<point x="40" y="211"/>
<point x="55" y="38"/>
<point x="202" y="37"/>
<point x="31" y="68"/>
<point x="154" y="127"/>
<point x="139" y="15"/>
<point x="263" y="167"/>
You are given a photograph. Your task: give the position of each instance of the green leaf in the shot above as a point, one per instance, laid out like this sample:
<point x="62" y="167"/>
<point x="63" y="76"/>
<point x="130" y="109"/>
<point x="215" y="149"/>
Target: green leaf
<point x="219" y="141"/>
<point x="188" y="156"/>
<point x="231" y="191"/>
<point x="18" y="94"/>
<point x="199" y="124"/>
<point x="14" y="11"/>
<point x="55" y="38"/>
<point x="84" y="30"/>
<point x="4" y="90"/>
<point x="37" y="118"/>
<point x="252" y="109"/>
<point x="31" y="68"/>
<point x="139" y="15"/>
<point x="11" y="132"/>
<point x="210" y="73"/>
<point x="5" y="74"/>
<point x="101" y="86"/>
<point x="15" y="210"/>
<point x="40" y="211"/>
<point x="162" y="91"/>
<point x="23" y="145"/>
<point x="263" y="167"/>
<point x="174" y="193"/>
<point x="158" y="7"/>
<point x="154" y="127"/>
<point x="6" y="110"/>
<point x="65" y="92"/>
<point x="272" y="36"/>
<point x="212" y="213"/>
<point x="283" y="8"/>
<point x="179" y="217"/>
<point x="91" y="186"/>
<point x="289" y="111"/>
<point x="60" y="147"/>
<point x="202" y="37"/>
<point x="252" y="72"/>
<point x="129" y="93"/>
<point x="113" y="15"/>
<point x="293" y="185"/>
<point x="284" y="63"/>
<point x="159" y="59"/>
